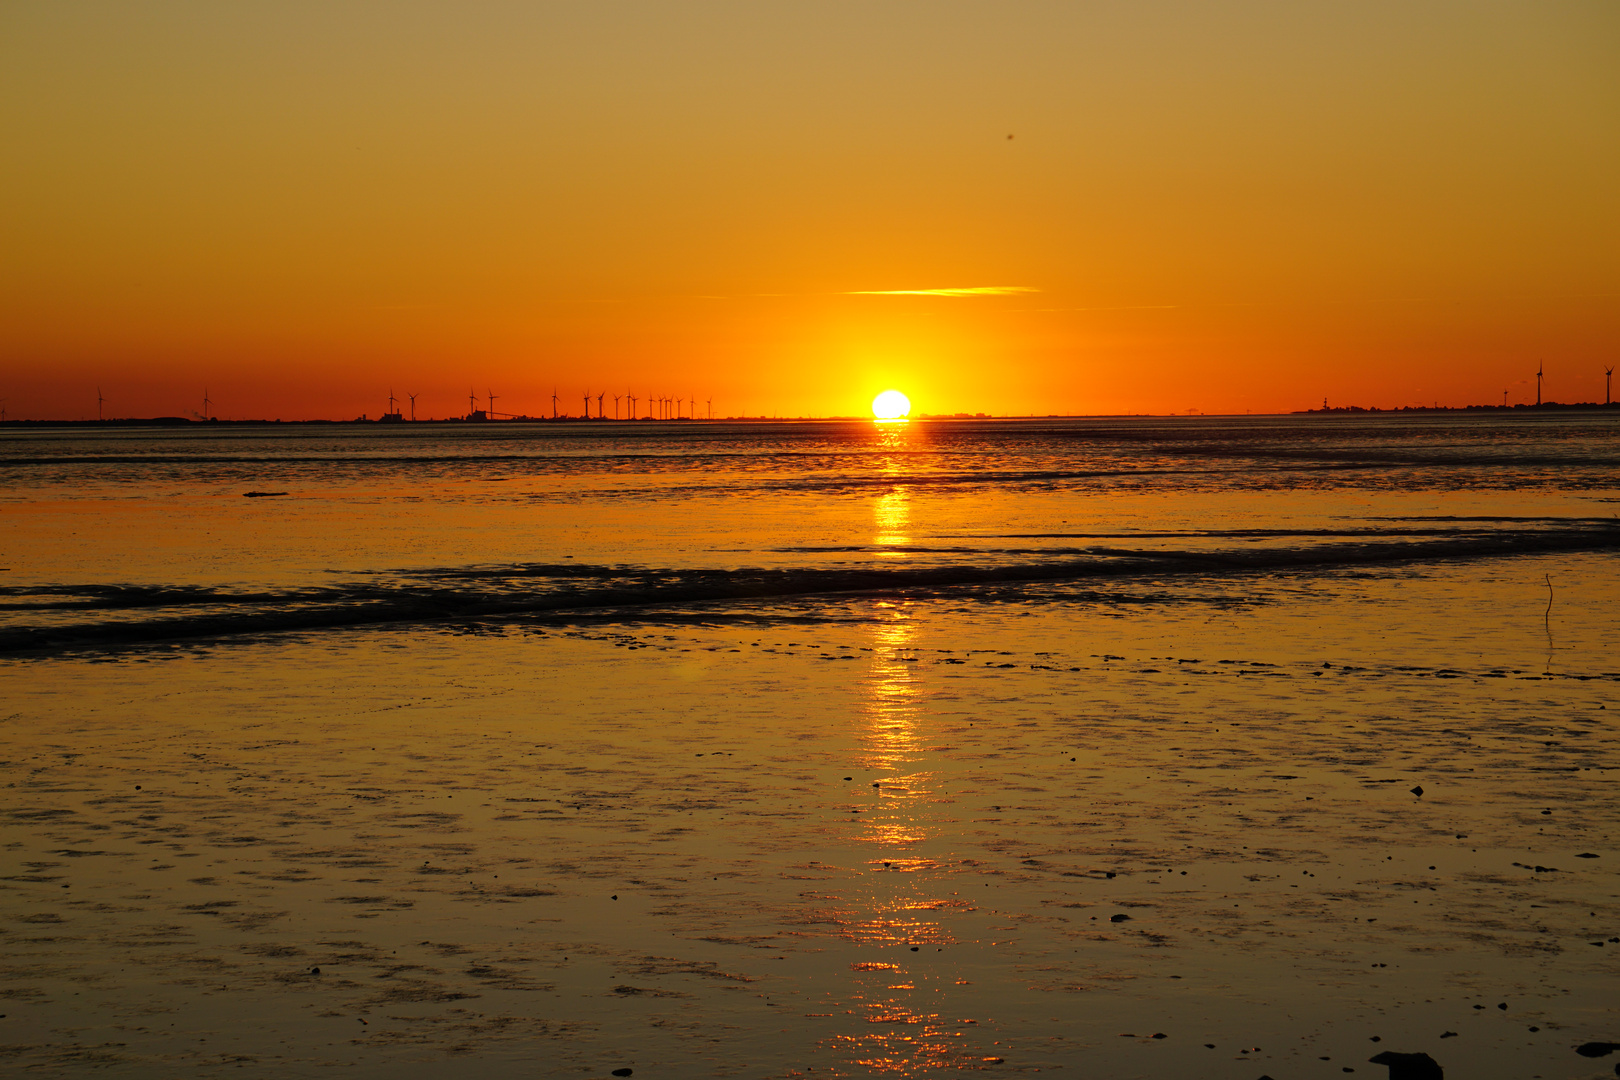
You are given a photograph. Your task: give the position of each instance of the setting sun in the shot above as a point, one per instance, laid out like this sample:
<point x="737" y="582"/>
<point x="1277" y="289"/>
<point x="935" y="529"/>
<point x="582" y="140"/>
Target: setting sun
<point x="891" y="405"/>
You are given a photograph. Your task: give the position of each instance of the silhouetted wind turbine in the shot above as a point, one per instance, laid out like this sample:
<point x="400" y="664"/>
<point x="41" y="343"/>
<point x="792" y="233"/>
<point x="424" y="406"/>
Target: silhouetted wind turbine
<point x="1608" y="383"/>
<point x="554" y="403"/>
<point x="413" y="405"/>
<point x="208" y="404"/>
<point x="616" y="399"/>
<point x="711" y="408"/>
<point x="99" y="401"/>
<point x="491" y="394"/>
<point x="599" y="412"/>
<point x="1538" y="382"/>
<point x="472" y="403"/>
<point x="393" y="402"/>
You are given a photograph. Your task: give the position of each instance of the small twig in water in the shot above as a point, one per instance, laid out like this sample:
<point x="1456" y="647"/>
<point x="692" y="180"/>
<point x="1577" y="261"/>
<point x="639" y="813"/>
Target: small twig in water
<point x="1546" y="623"/>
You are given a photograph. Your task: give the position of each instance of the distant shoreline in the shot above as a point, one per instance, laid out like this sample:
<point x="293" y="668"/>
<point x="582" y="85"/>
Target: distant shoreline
<point x="1338" y="410"/>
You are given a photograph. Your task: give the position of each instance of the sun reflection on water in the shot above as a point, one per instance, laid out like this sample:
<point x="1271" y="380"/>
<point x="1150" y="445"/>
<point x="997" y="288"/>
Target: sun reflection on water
<point x="894" y="914"/>
<point x="891" y="519"/>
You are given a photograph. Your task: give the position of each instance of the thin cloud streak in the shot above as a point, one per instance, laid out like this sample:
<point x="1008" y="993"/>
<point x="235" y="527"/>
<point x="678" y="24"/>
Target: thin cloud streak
<point x="978" y="290"/>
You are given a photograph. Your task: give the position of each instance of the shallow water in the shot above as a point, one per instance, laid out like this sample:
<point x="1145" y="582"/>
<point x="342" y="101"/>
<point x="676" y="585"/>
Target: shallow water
<point x="689" y="807"/>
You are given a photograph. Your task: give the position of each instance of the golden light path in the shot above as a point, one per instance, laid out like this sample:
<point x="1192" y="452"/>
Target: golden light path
<point x="891" y="405"/>
<point x="905" y="1030"/>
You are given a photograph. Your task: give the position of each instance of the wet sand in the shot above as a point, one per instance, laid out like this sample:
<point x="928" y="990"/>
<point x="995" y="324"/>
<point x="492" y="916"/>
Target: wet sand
<point x="852" y="837"/>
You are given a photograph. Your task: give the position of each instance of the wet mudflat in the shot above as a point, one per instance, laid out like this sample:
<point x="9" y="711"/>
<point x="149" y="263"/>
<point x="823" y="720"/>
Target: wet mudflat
<point x="857" y="836"/>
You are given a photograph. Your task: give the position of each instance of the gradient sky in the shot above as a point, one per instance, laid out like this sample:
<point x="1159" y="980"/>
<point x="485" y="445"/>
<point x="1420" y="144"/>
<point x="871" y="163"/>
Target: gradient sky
<point x="1217" y="206"/>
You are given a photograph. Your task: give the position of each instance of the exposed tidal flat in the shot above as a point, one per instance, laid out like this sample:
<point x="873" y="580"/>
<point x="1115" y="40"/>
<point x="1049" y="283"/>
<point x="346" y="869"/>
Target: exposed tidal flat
<point x="1266" y="818"/>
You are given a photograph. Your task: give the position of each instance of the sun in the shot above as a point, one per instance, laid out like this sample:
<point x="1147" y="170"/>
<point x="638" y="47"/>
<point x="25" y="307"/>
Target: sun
<point x="891" y="405"/>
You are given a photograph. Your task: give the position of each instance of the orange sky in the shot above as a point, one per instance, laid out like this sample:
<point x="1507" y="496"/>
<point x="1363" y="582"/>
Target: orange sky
<point x="1221" y="206"/>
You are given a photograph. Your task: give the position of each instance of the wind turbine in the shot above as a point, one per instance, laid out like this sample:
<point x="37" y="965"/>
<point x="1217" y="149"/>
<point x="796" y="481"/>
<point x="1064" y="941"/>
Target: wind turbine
<point x="208" y="404"/>
<point x="554" y="403"/>
<point x="413" y="405"/>
<point x="472" y="403"/>
<point x="393" y="402"/>
<point x="1608" y="383"/>
<point x="599" y="413"/>
<point x="99" y="401"/>
<point x="1538" y="382"/>
<point x="491" y="394"/>
<point x="678" y="407"/>
<point x="616" y="400"/>
<point x="711" y="408"/>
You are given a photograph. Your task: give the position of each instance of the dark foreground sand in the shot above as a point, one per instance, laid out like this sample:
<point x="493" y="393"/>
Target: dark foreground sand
<point x="888" y="836"/>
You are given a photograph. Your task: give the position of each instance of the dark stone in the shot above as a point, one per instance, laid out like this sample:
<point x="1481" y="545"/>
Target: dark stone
<point x="1597" y="1049"/>
<point x="315" y="971"/>
<point x="1409" y="1066"/>
<point x="1586" y="855"/>
<point x="1418" y="791"/>
<point x="623" y="1072"/>
<point x="1121" y="917"/>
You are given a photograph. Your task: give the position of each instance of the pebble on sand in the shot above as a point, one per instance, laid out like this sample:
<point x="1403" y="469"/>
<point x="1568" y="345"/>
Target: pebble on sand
<point x="1409" y="1066"/>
